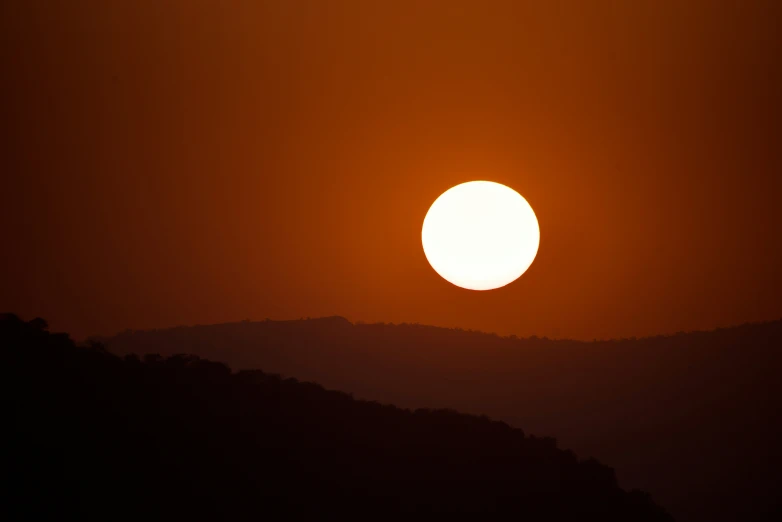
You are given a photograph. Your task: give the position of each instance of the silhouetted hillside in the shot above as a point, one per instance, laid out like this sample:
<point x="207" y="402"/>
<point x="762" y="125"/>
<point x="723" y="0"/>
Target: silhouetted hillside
<point x="90" y="435"/>
<point x="693" y="418"/>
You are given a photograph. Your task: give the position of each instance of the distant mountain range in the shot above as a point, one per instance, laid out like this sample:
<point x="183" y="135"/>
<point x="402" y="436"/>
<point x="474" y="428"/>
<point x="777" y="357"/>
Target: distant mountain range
<point x="694" y="418"/>
<point x="91" y="436"/>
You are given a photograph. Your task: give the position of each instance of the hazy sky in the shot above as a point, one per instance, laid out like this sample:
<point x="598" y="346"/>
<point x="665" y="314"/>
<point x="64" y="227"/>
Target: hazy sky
<point x="192" y="161"/>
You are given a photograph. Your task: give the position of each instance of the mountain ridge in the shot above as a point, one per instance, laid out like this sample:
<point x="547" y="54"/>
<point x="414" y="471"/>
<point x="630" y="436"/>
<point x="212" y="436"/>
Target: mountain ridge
<point x="93" y="434"/>
<point x="703" y="400"/>
<point x="345" y="320"/>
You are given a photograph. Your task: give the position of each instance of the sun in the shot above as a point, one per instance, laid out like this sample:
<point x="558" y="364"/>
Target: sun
<point x="480" y="235"/>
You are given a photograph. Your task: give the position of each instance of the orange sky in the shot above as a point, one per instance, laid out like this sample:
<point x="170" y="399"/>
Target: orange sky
<point x="197" y="161"/>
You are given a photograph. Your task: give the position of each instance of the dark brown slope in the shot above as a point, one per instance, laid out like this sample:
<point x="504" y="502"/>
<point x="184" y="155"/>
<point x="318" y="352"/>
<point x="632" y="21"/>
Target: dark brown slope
<point x="91" y="436"/>
<point x="694" y="418"/>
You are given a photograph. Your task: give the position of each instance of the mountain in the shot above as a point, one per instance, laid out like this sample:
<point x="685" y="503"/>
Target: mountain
<point x="694" y="418"/>
<point x="89" y="435"/>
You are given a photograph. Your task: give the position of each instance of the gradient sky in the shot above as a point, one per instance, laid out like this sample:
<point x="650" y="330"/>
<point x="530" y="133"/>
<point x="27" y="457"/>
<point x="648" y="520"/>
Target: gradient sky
<point x="193" y="161"/>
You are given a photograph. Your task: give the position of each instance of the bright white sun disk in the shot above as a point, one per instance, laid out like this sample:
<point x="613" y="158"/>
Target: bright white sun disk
<point x="480" y="235"/>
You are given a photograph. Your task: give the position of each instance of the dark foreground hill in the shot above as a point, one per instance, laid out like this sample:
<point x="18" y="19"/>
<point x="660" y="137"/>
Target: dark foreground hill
<point x="90" y="435"/>
<point x="693" y="418"/>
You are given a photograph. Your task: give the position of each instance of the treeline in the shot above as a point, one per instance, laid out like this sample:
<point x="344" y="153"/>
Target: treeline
<point x="692" y="418"/>
<point x="93" y="435"/>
